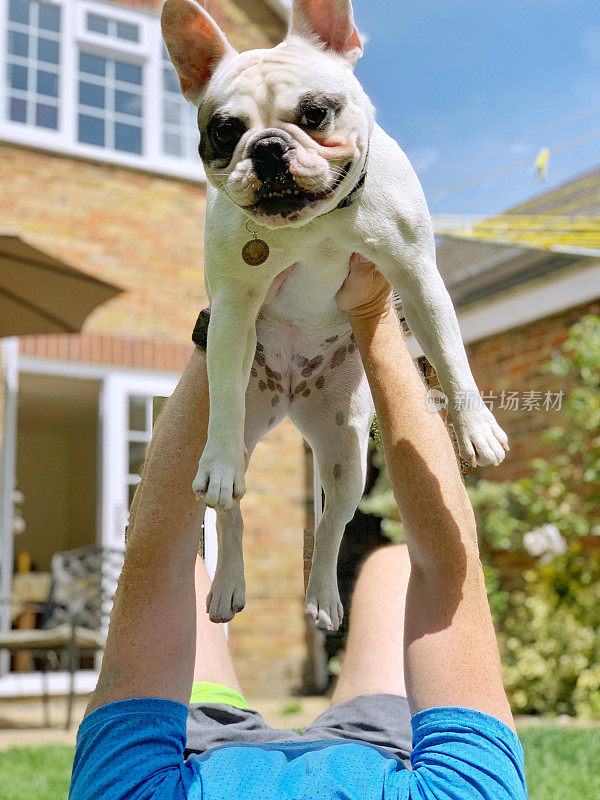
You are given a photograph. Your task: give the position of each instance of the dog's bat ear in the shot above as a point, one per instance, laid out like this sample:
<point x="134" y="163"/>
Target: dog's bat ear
<point x="195" y="43"/>
<point x="331" y="22"/>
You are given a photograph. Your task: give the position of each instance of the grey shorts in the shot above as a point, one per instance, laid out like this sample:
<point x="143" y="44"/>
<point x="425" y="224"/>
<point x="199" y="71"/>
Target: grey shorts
<point x="379" y="719"/>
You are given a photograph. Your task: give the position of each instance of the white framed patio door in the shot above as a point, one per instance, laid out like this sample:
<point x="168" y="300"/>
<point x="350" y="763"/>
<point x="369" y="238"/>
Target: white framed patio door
<point x="125" y="431"/>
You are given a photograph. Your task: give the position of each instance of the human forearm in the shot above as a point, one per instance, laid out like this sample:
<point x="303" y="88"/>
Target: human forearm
<point x="450" y="654"/>
<point x="431" y="497"/>
<point x="150" y="645"/>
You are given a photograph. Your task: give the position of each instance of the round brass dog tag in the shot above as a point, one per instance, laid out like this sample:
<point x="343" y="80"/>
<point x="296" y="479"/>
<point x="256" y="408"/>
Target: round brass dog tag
<point x="255" y="252"/>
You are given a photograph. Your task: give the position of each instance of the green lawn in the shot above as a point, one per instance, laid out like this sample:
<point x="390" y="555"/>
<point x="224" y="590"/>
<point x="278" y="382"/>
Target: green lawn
<point x="35" y="773"/>
<point x="562" y="764"/>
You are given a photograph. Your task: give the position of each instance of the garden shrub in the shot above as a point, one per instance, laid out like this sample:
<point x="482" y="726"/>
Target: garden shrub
<point x="549" y="638"/>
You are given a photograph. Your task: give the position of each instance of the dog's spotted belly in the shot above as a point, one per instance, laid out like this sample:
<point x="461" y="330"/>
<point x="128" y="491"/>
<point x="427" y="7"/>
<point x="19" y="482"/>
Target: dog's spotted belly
<point x="290" y="364"/>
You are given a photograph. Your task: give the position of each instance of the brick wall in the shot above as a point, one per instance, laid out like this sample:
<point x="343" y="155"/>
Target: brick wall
<point x="511" y="361"/>
<point x="141" y="232"/>
<point x="268" y="639"/>
<point x="249" y="24"/>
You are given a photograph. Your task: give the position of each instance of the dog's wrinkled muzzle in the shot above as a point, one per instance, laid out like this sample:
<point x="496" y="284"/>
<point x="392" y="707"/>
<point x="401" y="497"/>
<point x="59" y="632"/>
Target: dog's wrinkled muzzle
<point x="289" y="176"/>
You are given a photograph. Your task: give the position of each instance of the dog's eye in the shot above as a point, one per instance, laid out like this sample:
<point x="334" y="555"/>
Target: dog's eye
<point x="313" y="117"/>
<point x="227" y="131"/>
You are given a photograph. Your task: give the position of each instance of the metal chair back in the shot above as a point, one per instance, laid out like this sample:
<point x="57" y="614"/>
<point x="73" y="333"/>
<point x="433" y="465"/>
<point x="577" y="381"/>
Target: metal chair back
<point x="83" y="586"/>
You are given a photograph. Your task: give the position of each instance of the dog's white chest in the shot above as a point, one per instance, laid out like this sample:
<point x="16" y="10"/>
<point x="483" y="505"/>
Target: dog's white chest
<point x="307" y="296"/>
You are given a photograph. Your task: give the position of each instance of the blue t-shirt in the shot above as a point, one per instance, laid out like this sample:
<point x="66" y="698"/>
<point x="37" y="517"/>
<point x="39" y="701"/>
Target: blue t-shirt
<point x="133" y="750"/>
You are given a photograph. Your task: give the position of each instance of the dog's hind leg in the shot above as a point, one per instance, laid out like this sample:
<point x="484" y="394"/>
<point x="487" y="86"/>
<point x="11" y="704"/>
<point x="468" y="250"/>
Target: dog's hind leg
<point x="335" y="420"/>
<point x="227" y="594"/>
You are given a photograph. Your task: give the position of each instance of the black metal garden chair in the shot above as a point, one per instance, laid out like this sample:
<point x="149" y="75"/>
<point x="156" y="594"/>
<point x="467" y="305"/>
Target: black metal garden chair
<point x="74" y="618"/>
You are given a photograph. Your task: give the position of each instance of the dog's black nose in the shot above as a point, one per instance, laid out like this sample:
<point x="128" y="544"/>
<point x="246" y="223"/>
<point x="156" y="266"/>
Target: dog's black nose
<point x="268" y="157"/>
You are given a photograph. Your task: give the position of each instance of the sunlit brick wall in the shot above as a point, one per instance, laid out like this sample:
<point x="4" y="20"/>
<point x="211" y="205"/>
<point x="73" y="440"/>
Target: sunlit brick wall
<point x="249" y="24"/>
<point x="511" y="361"/>
<point x="141" y="232"/>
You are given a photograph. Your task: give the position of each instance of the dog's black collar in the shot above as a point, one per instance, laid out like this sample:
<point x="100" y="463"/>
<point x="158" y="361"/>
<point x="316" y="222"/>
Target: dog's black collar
<point x="350" y="198"/>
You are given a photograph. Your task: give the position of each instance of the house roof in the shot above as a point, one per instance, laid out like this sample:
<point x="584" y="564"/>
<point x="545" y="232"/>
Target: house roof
<point x="580" y="197"/>
<point x="478" y="258"/>
<point x="473" y="270"/>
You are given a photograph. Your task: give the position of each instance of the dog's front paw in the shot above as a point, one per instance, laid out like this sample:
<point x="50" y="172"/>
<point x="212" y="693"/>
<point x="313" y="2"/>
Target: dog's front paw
<point x="481" y="441"/>
<point x="323" y="603"/>
<point x="227" y="596"/>
<point x="220" y="480"/>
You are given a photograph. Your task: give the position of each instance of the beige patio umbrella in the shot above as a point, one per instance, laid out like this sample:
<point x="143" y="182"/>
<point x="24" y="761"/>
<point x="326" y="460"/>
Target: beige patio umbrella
<point x="41" y="294"/>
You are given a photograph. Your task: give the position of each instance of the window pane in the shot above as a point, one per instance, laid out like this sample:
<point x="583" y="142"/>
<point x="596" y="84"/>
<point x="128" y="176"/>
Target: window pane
<point x="172" y="144"/>
<point x="137" y="454"/>
<point x="171" y="112"/>
<point x="18" y="110"/>
<point x="90" y="94"/>
<point x="128" y="73"/>
<point x="128" y="103"/>
<point x="137" y="413"/>
<point x="17" y="76"/>
<point x="48" y="51"/>
<point x="19" y="11"/>
<point x="47" y="83"/>
<point x="97" y="24"/>
<point x="91" y="130"/>
<point x="93" y="65"/>
<point x="180" y="123"/>
<point x="127" y="31"/>
<point x="46" y="116"/>
<point x="128" y="138"/>
<point x="49" y="18"/>
<point x="18" y="43"/>
<point x="171" y="81"/>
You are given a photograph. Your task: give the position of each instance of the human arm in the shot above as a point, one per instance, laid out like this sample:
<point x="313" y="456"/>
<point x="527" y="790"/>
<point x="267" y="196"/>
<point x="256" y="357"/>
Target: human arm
<point x="150" y="646"/>
<point x="451" y="656"/>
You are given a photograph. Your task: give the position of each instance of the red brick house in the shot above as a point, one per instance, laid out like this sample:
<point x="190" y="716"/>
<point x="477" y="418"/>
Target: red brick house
<point x="99" y="167"/>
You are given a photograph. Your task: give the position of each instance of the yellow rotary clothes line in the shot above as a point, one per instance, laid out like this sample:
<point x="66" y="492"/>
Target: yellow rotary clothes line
<point x="556" y="232"/>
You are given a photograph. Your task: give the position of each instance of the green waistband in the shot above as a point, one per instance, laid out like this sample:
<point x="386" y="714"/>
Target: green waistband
<point x="206" y="692"/>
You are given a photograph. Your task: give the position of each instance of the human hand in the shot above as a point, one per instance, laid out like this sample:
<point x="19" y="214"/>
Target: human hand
<point x="365" y="292"/>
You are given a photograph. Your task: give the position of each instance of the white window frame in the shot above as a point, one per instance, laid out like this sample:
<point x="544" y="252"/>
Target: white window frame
<point x="74" y="36"/>
<point x="32" y="96"/>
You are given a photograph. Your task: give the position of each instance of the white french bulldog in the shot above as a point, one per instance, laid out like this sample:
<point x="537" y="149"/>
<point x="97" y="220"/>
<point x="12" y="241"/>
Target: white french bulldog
<point x="298" y="168"/>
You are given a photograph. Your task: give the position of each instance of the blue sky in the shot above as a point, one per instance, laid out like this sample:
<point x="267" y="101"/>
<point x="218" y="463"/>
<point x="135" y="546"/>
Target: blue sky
<point x="472" y="81"/>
